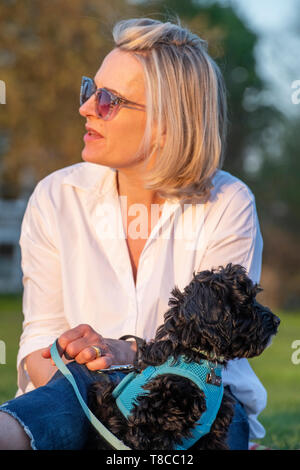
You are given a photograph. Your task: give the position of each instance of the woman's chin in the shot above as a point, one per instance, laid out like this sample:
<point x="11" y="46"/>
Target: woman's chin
<point x="105" y="158"/>
<point x="95" y="158"/>
<point x="89" y="156"/>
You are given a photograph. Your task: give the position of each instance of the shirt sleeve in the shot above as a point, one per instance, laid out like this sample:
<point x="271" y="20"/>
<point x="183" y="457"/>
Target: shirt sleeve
<point x="237" y="238"/>
<point x="43" y="310"/>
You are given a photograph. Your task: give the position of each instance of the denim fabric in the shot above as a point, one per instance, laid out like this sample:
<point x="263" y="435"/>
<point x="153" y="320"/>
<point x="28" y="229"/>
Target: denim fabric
<point x="238" y="433"/>
<point x="54" y="420"/>
<point x="52" y="415"/>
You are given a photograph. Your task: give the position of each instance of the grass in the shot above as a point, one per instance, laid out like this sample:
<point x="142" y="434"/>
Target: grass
<point x="10" y="329"/>
<point x="281" y="378"/>
<point x="275" y="369"/>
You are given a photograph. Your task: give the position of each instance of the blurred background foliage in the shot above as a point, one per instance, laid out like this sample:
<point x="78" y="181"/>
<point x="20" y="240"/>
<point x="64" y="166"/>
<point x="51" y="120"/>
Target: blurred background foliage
<point x="45" y="48"/>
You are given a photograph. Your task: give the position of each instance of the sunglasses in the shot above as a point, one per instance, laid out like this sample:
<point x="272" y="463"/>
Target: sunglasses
<point x="107" y="103"/>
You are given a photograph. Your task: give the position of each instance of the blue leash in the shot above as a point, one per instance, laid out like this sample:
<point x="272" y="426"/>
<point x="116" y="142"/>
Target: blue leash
<point x="105" y="433"/>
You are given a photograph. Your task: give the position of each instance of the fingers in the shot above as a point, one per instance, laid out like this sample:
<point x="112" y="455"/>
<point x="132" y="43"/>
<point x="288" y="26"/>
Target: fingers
<point x="81" y="332"/>
<point x="74" y="348"/>
<point x="46" y="352"/>
<point x="89" y="354"/>
<point x="102" y="362"/>
<point x="64" y="340"/>
<point x="76" y="344"/>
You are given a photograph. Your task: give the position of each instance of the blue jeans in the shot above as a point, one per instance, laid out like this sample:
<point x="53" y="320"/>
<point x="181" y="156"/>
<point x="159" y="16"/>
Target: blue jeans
<point x="238" y="433"/>
<point x="54" y="420"/>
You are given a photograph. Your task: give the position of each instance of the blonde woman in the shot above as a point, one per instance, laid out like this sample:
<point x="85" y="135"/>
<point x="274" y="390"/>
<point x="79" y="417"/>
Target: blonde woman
<point x="104" y="241"/>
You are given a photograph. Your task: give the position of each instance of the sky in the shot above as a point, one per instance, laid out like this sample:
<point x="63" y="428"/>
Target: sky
<point x="266" y="16"/>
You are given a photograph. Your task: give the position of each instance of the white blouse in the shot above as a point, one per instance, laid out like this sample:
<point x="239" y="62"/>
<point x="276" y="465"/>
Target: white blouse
<point x="76" y="265"/>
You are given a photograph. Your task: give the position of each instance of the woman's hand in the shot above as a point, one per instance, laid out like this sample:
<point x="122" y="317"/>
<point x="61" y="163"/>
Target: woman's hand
<point x="76" y="344"/>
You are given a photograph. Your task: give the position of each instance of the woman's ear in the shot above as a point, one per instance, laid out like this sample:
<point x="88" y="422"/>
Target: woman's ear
<point x="163" y="136"/>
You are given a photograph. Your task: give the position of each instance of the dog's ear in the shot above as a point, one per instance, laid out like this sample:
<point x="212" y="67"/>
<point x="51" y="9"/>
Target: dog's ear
<point x="194" y="318"/>
<point x="242" y="289"/>
<point x="168" y="328"/>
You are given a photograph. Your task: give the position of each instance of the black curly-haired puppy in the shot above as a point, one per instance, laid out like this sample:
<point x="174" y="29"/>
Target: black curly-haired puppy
<point x="215" y="318"/>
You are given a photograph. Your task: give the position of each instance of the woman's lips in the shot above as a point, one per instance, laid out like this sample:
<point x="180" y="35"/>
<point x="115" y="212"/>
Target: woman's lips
<point x="90" y="136"/>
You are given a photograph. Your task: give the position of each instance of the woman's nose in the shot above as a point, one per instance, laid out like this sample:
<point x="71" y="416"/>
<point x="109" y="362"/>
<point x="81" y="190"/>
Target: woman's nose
<point x="88" y="107"/>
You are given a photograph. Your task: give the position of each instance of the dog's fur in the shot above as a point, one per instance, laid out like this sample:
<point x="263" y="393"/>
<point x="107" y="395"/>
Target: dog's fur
<point x="217" y="313"/>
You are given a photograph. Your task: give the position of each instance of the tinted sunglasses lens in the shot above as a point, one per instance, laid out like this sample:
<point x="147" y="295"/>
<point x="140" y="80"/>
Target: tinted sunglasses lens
<point x="86" y="90"/>
<point x="103" y="103"/>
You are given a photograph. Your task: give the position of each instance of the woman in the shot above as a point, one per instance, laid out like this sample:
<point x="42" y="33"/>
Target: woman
<point x="156" y="123"/>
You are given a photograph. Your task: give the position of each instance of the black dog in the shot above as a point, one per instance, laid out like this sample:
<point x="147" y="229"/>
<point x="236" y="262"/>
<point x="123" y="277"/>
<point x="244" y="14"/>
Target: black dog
<point x="216" y="318"/>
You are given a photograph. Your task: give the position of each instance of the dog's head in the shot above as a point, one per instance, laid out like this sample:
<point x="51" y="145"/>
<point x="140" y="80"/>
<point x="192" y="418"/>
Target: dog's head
<point x="218" y="313"/>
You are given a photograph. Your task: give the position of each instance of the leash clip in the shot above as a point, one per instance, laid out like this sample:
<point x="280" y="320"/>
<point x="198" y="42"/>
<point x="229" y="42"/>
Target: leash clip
<point x="125" y="367"/>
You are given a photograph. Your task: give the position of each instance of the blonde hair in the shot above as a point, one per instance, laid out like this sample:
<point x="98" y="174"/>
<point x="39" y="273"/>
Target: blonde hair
<point x="186" y="98"/>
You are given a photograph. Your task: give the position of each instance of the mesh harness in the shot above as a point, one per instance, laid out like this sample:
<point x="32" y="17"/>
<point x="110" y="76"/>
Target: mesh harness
<point x="205" y="374"/>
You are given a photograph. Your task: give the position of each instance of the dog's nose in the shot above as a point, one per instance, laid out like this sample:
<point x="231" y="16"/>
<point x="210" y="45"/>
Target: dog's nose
<point x="276" y="321"/>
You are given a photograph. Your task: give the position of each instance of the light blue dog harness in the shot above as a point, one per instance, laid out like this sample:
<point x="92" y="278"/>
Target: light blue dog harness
<point x="205" y="375"/>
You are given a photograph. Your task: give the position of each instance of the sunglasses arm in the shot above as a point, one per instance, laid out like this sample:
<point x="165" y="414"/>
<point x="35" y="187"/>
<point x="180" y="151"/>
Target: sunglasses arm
<point x="142" y="108"/>
<point x="126" y="104"/>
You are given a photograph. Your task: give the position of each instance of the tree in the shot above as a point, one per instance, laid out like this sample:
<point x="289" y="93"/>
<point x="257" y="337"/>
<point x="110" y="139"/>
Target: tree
<point x="46" y="57"/>
<point x="46" y="48"/>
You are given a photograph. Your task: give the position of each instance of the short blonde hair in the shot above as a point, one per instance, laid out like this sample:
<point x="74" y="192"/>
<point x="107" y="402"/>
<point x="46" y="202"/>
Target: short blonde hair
<point x="186" y="98"/>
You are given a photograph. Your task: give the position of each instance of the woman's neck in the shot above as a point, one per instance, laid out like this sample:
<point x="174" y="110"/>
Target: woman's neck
<point x="131" y="185"/>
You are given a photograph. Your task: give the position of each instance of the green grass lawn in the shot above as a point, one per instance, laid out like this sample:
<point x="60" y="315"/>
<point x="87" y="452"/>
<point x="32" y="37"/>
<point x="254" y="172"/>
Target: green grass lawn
<point x="279" y="375"/>
<point x="10" y="329"/>
<point x="281" y="378"/>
